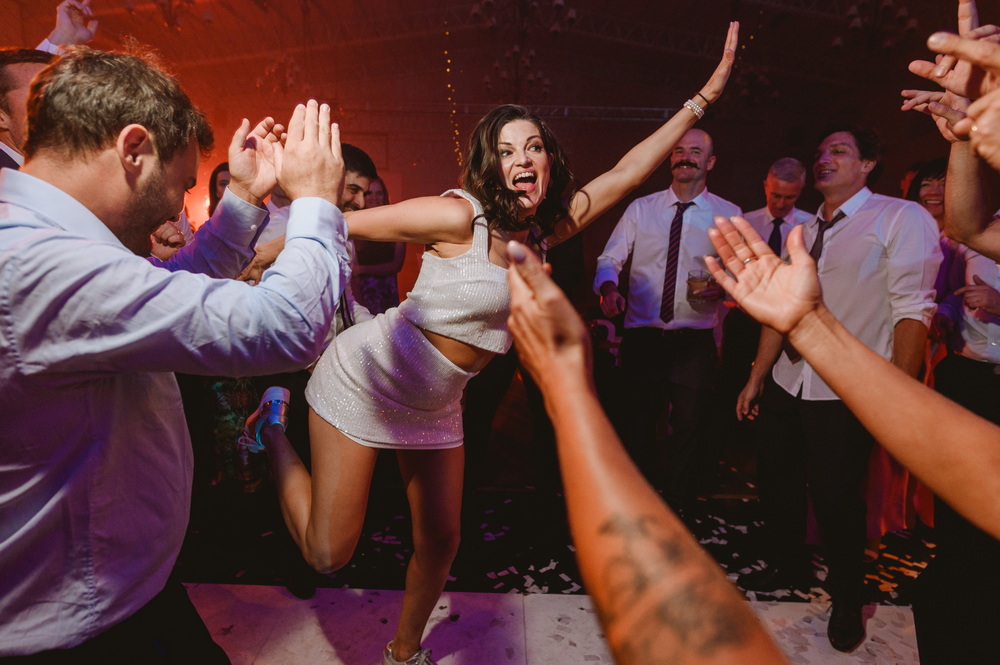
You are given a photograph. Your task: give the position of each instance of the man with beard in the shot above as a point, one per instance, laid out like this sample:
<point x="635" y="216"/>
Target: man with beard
<point x="95" y="461"/>
<point x="668" y="353"/>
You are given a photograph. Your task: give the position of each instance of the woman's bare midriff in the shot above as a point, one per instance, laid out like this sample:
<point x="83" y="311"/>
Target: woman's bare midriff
<point x="465" y="356"/>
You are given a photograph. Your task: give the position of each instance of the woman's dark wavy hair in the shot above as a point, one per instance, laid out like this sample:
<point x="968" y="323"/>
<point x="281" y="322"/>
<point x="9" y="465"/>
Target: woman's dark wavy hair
<point x="483" y="178"/>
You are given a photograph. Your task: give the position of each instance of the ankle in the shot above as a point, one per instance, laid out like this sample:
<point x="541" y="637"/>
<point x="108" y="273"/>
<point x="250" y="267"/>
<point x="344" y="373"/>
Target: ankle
<point x="402" y="653"/>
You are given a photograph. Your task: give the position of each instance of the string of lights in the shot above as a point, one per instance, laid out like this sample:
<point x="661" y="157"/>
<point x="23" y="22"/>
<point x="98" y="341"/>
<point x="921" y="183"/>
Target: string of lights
<point x="452" y="104"/>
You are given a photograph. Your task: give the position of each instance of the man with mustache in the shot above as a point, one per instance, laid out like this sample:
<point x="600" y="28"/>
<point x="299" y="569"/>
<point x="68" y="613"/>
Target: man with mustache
<point x="668" y="355"/>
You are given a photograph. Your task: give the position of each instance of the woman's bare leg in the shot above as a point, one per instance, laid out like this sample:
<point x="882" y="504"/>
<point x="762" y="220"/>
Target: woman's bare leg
<point x="325" y="511"/>
<point x="433" y="483"/>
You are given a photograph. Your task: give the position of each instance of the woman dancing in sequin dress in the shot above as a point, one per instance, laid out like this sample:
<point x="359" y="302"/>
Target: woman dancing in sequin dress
<point x="396" y="381"/>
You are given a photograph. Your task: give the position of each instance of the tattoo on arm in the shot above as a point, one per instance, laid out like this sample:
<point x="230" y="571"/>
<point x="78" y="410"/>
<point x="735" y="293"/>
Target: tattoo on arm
<point x="665" y="596"/>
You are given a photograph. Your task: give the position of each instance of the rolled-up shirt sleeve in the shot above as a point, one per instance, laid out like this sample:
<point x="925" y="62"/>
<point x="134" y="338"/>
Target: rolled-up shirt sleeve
<point x="616" y="251"/>
<point x="915" y="256"/>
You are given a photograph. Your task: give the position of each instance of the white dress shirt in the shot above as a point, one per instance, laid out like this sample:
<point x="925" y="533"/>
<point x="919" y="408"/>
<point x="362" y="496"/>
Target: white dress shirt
<point x="643" y="233"/>
<point x="761" y="220"/>
<point x="95" y="457"/>
<point x="980" y="330"/>
<point x="877" y="268"/>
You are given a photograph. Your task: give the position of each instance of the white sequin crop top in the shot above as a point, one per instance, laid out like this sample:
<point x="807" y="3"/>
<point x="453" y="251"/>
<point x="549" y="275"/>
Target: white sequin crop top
<point x="464" y="297"/>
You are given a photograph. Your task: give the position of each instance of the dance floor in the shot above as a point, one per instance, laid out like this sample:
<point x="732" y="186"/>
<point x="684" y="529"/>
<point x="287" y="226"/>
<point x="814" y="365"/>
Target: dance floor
<point x="266" y="625"/>
<point x="515" y="593"/>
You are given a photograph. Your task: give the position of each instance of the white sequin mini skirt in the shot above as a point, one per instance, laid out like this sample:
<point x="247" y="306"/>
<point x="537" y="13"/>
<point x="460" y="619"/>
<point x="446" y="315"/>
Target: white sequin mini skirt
<point x="384" y="385"/>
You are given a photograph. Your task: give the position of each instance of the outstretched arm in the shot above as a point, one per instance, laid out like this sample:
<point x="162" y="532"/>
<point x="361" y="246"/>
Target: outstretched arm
<point x="660" y="597"/>
<point x="945" y="445"/>
<point x="594" y="198"/>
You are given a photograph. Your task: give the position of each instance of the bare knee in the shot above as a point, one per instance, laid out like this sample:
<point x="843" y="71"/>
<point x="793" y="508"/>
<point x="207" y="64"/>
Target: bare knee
<point x="329" y="559"/>
<point x="441" y="544"/>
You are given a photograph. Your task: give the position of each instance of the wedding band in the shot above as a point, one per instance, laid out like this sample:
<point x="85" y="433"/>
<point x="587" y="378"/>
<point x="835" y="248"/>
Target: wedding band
<point x="748" y="260"/>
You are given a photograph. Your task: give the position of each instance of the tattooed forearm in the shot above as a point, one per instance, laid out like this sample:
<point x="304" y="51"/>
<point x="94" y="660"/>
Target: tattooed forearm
<point x="665" y="596"/>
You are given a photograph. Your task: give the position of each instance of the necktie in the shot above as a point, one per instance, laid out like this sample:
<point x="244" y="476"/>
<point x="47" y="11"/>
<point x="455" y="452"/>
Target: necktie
<point x="774" y="240"/>
<point x="817" y="248"/>
<point x="673" y="254"/>
<point x="815" y="252"/>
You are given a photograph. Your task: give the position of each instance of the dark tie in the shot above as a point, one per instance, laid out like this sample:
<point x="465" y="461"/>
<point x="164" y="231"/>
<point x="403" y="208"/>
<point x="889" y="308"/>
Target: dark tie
<point x="774" y="241"/>
<point x="817" y="248"/>
<point x="815" y="252"/>
<point x="673" y="254"/>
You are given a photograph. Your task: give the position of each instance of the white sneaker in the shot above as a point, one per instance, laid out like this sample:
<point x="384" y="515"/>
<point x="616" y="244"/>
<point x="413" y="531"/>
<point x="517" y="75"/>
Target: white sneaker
<point x="272" y="410"/>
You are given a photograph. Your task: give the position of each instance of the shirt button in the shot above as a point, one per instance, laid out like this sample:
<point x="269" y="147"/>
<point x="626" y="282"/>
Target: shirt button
<point x="253" y="227"/>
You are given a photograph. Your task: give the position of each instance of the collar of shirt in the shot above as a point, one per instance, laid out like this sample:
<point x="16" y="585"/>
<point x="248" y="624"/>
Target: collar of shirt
<point x="791" y="218"/>
<point x="700" y="202"/>
<point x="848" y="207"/>
<point x="58" y="208"/>
<point x="13" y="154"/>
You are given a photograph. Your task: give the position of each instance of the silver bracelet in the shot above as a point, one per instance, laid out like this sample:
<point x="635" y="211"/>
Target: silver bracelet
<point x="694" y="108"/>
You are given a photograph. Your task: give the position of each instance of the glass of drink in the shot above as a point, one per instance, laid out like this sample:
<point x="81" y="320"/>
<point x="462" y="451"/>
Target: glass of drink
<point x="697" y="280"/>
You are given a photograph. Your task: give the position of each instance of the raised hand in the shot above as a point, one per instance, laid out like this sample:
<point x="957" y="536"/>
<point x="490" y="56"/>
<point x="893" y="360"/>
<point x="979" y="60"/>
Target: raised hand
<point x="74" y="23"/>
<point x="973" y="69"/>
<point x="310" y="162"/>
<point x="712" y="90"/>
<point x="251" y="160"/>
<point x="775" y="293"/>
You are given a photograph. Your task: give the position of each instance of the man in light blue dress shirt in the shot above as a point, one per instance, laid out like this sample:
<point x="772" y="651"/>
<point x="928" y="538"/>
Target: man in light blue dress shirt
<point x="95" y="459"/>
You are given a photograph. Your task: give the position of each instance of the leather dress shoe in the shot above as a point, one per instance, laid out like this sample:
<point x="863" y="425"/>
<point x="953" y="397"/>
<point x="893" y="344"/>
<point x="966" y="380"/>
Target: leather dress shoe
<point x="846" y="629"/>
<point x="773" y="578"/>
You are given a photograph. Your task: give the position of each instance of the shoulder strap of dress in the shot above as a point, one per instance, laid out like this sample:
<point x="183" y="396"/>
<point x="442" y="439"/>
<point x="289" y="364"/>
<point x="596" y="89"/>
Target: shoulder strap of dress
<point x="480" y="228"/>
<point x="476" y="205"/>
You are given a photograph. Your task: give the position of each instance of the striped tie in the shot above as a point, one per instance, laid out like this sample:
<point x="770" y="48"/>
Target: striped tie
<point x="673" y="254"/>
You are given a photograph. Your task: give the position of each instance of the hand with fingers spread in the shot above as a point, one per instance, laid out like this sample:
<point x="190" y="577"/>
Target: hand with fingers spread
<point x="74" y="23"/>
<point x="251" y="160"/>
<point x="777" y="294"/>
<point x="310" y="162"/>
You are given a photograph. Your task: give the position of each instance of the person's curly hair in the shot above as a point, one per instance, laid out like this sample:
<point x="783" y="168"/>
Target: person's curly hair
<point x="483" y="177"/>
